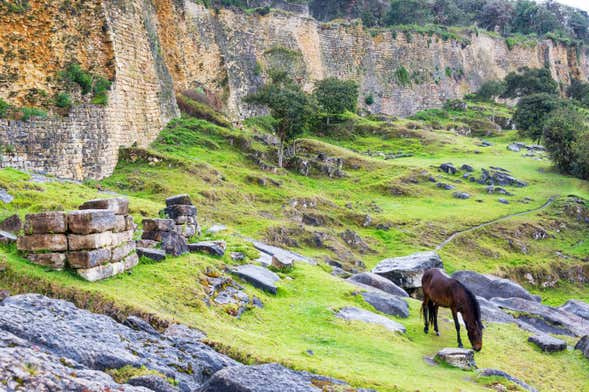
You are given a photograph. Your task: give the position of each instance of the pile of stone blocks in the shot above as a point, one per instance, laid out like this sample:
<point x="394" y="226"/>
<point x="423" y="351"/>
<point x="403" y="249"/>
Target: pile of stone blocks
<point x="164" y="231"/>
<point x="181" y="210"/>
<point x="95" y="241"/>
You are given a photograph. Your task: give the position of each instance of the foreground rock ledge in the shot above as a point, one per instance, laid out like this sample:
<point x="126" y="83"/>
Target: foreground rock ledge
<point x="70" y="348"/>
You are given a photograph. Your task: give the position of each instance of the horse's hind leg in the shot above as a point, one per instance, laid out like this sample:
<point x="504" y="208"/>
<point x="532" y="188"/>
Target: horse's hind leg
<point x="424" y="307"/>
<point x="457" y="325"/>
<point x="435" y="317"/>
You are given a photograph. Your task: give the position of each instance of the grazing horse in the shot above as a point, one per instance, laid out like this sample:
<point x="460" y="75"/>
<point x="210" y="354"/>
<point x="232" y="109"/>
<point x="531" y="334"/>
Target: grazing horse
<point x="441" y="290"/>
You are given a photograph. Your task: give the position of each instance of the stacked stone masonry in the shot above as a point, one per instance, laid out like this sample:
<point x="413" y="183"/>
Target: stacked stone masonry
<point x="152" y="49"/>
<point x="181" y="210"/>
<point x="95" y="241"/>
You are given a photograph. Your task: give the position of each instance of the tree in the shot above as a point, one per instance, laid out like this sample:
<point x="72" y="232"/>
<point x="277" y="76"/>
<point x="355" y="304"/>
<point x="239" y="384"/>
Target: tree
<point x="403" y="12"/>
<point x="529" y="81"/>
<point x="446" y="12"/>
<point x="496" y="13"/>
<point x="579" y="91"/>
<point x="530" y="17"/>
<point x="335" y="96"/>
<point x="562" y="128"/>
<point x="289" y="105"/>
<point x="581" y="165"/>
<point x="490" y="90"/>
<point x="531" y="113"/>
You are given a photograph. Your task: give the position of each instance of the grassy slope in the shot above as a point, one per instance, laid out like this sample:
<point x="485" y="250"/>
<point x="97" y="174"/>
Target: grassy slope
<point x="202" y="160"/>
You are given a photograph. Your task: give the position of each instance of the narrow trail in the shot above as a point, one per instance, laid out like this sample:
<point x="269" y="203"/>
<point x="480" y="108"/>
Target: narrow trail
<point x="503" y="218"/>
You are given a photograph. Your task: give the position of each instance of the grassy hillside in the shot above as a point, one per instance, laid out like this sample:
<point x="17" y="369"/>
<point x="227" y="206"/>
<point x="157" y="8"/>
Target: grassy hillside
<point x="229" y="174"/>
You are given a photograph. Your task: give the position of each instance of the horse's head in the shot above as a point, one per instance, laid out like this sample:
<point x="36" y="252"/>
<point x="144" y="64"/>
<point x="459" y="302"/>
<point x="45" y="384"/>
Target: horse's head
<point x="475" y="334"/>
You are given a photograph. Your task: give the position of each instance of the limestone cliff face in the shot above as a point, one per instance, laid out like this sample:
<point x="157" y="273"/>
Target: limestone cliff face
<point x="152" y="48"/>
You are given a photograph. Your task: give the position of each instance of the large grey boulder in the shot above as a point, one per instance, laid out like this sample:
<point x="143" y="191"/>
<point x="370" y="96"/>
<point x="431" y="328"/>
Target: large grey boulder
<point x="152" y="382"/>
<point x="266" y="378"/>
<point x="457" y="357"/>
<point x="548" y="343"/>
<point x="407" y="271"/>
<point x="545" y="318"/>
<point x="387" y="303"/>
<point x="370" y="280"/>
<point x="173" y="243"/>
<point x="213" y="248"/>
<point x="583" y="346"/>
<point x="260" y="277"/>
<point x="356" y="314"/>
<point x="492" y="313"/>
<point x="98" y="342"/>
<point x="490" y="286"/>
<point x="502" y="374"/>
<point x="18" y="359"/>
<point x="577" y="307"/>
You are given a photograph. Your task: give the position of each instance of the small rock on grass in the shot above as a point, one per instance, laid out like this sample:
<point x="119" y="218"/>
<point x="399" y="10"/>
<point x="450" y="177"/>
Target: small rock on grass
<point x="457" y="357"/>
<point x="547" y="343"/>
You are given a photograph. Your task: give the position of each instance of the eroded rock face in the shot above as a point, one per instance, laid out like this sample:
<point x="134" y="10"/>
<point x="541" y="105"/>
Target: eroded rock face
<point x="547" y="343"/>
<point x="579" y="308"/>
<point x="583" y="346"/>
<point x="489" y="286"/>
<point x="544" y="318"/>
<point x="387" y="303"/>
<point x="97" y="342"/>
<point x="407" y="271"/>
<point x="458" y="357"/>
<point x="492" y="313"/>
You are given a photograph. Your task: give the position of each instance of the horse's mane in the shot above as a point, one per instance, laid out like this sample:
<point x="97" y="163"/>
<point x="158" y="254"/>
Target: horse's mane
<point x="474" y="304"/>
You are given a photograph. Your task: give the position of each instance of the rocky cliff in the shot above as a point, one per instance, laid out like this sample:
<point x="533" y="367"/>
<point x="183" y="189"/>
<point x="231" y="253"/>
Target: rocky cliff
<point x="151" y="48"/>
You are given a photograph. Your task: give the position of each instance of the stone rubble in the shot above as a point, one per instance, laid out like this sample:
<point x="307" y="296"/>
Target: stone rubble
<point x="95" y="241"/>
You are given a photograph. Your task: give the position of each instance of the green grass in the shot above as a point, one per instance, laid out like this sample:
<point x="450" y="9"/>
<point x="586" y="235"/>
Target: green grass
<point x="215" y="166"/>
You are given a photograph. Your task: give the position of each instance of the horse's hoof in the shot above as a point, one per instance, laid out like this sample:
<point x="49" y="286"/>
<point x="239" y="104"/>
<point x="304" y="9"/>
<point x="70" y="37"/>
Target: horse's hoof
<point x="425" y="331"/>
<point x="437" y="333"/>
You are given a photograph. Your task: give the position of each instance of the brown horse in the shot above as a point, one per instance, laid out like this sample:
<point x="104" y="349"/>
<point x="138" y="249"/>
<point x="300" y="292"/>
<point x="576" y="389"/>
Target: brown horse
<point x="441" y="290"/>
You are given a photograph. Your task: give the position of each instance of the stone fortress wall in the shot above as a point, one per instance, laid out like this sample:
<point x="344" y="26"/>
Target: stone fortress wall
<point x="152" y="48"/>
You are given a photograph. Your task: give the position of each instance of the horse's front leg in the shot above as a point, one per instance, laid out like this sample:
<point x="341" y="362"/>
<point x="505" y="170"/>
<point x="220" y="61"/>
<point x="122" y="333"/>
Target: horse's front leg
<point x="457" y="325"/>
<point x="424" y="307"/>
<point x="435" y="311"/>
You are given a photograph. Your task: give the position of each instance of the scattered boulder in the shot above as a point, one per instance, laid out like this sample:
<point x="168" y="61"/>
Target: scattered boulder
<point x="499" y="176"/>
<point x="217" y="228"/>
<point x="214" y="248"/>
<point x="457" y="357"/>
<point x="283" y="254"/>
<point x="407" y="271"/>
<point x="282" y="263"/>
<point x="448" y="168"/>
<point x="354" y="241"/>
<point x="547" y="343"/>
<point x="503" y="201"/>
<point x="258" y="276"/>
<point x="266" y="378"/>
<point x="356" y="314"/>
<point x="502" y="374"/>
<point x="370" y="280"/>
<point x="178" y="200"/>
<point x="12" y="224"/>
<point x="490" y="286"/>
<point x="467" y="168"/>
<point x="152" y="254"/>
<point x="461" y="195"/>
<point x="445" y="186"/>
<point x="514" y="147"/>
<point x="152" y="382"/>
<point x="5" y="197"/>
<point x="577" y="307"/>
<point x="583" y="346"/>
<point x="387" y="303"/>
<point x="545" y="318"/>
<point x="237" y="256"/>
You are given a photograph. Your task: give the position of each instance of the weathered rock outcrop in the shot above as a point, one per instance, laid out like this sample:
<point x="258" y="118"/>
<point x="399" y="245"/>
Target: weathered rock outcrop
<point x="50" y="345"/>
<point x="490" y="286"/>
<point x="150" y="50"/>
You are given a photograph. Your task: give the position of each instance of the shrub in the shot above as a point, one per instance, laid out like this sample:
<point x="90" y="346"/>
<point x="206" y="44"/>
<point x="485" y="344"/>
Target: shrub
<point x="199" y="109"/>
<point x="490" y="90"/>
<point x="369" y="100"/>
<point x="402" y="76"/>
<point x="335" y="96"/>
<point x="63" y="100"/>
<point x="4" y="108"/>
<point x="529" y="81"/>
<point x="29" y="112"/>
<point x="532" y="111"/>
<point x="75" y="74"/>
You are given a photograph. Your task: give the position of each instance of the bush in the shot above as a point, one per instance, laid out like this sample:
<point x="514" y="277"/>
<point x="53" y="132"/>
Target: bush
<point x="199" y="109"/>
<point x="490" y="90"/>
<point x="63" y="100"/>
<point x="336" y="96"/>
<point x="4" y="108"/>
<point x="75" y="74"/>
<point x="529" y="81"/>
<point x="369" y="100"/>
<point x="531" y="113"/>
<point x="565" y="138"/>
<point x="402" y="76"/>
<point x="29" y="112"/>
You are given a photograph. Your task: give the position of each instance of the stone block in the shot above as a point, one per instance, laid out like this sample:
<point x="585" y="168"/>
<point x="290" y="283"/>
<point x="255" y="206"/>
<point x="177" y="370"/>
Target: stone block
<point x="122" y="251"/>
<point x="158" y="225"/>
<point x="46" y="223"/>
<point x="52" y="260"/>
<point x="107" y="270"/>
<point x="148" y="244"/>
<point x="43" y="242"/>
<point x="89" y="241"/>
<point x="7" y="238"/>
<point x="90" y="221"/>
<point x="186" y="230"/>
<point x="179" y="210"/>
<point x="178" y="199"/>
<point x="120" y="224"/>
<point x="155" y="236"/>
<point x="130" y="261"/>
<point x="119" y="205"/>
<point x="122" y="237"/>
<point x="12" y="224"/>
<point x="89" y="258"/>
<point x="153" y="254"/>
<point x="130" y="223"/>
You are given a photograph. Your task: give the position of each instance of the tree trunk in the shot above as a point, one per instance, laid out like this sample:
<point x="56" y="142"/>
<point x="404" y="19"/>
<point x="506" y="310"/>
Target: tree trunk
<point x="280" y="153"/>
